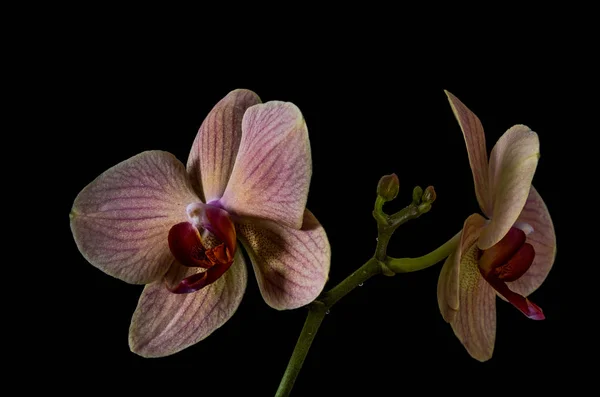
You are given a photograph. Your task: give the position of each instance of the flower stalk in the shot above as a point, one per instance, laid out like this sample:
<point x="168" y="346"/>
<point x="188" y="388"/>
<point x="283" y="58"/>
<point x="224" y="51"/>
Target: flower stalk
<point x="379" y="263"/>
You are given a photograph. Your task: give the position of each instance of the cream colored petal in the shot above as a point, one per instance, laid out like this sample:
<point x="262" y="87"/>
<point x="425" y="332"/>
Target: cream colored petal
<point x="513" y="161"/>
<point x="291" y="265"/>
<point x="447" y="288"/>
<point x="216" y="145"/>
<point x="449" y="280"/>
<point x="542" y="238"/>
<point x="121" y="220"/>
<point x="164" y="323"/>
<point x="272" y="172"/>
<point x="475" y="323"/>
<point x="475" y="140"/>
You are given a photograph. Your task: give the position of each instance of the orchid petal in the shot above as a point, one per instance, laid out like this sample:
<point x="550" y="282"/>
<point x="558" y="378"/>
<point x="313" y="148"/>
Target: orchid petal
<point x="524" y="305"/>
<point x="216" y="145"/>
<point x="475" y="139"/>
<point x="272" y="171"/>
<point x="165" y="323"/>
<point x="121" y="220"/>
<point x="449" y="279"/>
<point x="447" y="289"/>
<point x="542" y="238"/>
<point x="291" y="265"/>
<point x="475" y="322"/>
<point x="513" y="162"/>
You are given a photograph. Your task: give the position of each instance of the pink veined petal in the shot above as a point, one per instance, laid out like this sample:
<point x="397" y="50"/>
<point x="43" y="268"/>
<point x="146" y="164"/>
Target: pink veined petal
<point x="475" y="322"/>
<point x="475" y="139"/>
<point x="164" y="323"/>
<point x="216" y="145"/>
<point x="447" y="288"/>
<point x="513" y="162"/>
<point x="291" y="265"/>
<point x="272" y="172"/>
<point x="121" y="220"/>
<point x="543" y="239"/>
<point x="449" y="279"/>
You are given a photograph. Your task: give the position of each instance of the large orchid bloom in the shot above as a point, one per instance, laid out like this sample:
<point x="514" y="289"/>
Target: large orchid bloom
<point x="510" y="253"/>
<point x="151" y="220"/>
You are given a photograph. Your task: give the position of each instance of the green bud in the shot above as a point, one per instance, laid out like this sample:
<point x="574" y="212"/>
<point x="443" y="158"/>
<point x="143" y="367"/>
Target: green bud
<point x="429" y="196"/>
<point x="388" y="187"/>
<point x="417" y="194"/>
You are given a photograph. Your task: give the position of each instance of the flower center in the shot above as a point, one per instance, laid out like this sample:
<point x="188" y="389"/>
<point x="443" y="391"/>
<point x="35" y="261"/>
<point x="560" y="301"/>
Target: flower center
<point x="507" y="261"/>
<point x="214" y="253"/>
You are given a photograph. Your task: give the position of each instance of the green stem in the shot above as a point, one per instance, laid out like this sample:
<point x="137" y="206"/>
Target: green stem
<point x="406" y="265"/>
<point x="362" y="274"/>
<point x="378" y="211"/>
<point x="311" y="326"/>
<point x="386" y="225"/>
<point x="382" y="243"/>
<point x="317" y="311"/>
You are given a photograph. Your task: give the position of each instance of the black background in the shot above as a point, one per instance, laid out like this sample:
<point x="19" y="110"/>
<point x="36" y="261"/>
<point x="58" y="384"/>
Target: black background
<point x="371" y="110"/>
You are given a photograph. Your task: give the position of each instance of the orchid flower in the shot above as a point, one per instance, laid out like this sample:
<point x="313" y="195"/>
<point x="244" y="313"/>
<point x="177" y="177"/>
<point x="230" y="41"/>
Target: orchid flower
<point x="151" y="220"/>
<point x="510" y="253"/>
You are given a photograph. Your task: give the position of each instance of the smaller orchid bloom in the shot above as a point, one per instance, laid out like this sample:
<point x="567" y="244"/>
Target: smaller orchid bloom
<point x="510" y="253"/>
<point x="151" y="220"/>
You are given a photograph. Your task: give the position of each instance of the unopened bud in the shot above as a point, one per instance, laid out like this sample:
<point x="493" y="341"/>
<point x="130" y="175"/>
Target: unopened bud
<point x="388" y="187"/>
<point x="417" y="194"/>
<point x="429" y="196"/>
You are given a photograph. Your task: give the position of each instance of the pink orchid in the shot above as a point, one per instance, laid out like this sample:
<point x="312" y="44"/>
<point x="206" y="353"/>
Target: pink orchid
<point x="151" y="220"/>
<point x="511" y="253"/>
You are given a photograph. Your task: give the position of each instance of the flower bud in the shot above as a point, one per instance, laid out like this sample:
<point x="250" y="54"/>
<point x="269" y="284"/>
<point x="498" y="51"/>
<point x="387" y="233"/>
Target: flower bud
<point x="388" y="187"/>
<point x="417" y="194"/>
<point x="429" y="195"/>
